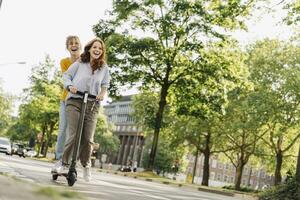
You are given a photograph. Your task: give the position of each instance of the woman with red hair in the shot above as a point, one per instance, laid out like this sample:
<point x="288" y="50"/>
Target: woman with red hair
<point x="90" y="73"/>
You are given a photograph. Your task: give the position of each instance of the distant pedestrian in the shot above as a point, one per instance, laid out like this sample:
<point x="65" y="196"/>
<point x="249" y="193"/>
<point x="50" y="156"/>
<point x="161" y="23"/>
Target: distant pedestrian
<point x="94" y="155"/>
<point x="90" y="73"/>
<point x="135" y="166"/>
<point x="74" y="47"/>
<point x="110" y="166"/>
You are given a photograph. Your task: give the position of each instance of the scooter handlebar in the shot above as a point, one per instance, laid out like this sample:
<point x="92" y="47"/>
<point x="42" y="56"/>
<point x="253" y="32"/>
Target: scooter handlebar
<point x="82" y="94"/>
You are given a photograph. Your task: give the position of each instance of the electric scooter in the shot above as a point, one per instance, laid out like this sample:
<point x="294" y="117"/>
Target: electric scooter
<point x="71" y="176"/>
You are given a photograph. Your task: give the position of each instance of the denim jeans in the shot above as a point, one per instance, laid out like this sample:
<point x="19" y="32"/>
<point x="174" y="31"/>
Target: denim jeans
<point x="73" y="110"/>
<point x="62" y="131"/>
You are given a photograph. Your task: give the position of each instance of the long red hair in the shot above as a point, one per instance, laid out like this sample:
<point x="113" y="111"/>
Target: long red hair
<point x="85" y="56"/>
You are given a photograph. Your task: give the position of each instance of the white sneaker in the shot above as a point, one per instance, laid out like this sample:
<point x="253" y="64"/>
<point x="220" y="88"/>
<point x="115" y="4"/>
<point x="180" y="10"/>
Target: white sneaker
<point x="87" y="176"/>
<point x="63" y="169"/>
<point x="60" y="168"/>
<point x="56" y="165"/>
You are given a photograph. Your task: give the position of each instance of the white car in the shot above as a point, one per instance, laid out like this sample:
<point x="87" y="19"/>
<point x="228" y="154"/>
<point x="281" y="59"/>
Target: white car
<point x="30" y="152"/>
<point x="5" y="145"/>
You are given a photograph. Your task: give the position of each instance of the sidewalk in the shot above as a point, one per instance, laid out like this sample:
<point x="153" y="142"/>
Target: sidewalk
<point x="13" y="188"/>
<point x="162" y="180"/>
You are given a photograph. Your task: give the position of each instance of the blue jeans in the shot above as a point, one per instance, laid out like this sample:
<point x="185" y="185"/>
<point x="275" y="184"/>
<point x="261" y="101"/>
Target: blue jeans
<point x="62" y="131"/>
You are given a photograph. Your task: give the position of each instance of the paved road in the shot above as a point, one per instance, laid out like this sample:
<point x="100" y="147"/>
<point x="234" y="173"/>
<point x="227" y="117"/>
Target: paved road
<point x="103" y="186"/>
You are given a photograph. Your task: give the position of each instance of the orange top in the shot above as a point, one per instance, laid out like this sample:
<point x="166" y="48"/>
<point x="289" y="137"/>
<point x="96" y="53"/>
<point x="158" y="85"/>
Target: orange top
<point x="65" y="63"/>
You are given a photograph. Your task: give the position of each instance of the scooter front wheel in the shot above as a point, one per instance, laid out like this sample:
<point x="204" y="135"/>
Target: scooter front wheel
<point x="71" y="178"/>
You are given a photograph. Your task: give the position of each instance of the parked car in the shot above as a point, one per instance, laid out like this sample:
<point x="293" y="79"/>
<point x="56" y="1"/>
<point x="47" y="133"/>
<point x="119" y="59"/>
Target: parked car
<point x="5" y="145"/>
<point x="30" y="152"/>
<point x="19" y="149"/>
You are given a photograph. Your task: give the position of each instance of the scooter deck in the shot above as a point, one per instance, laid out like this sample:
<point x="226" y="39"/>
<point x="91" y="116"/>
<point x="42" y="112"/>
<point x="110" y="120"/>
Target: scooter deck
<point x="59" y="174"/>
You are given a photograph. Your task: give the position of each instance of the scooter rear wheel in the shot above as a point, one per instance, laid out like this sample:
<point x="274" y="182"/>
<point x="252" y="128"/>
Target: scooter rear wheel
<point x="54" y="177"/>
<point x="71" y="178"/>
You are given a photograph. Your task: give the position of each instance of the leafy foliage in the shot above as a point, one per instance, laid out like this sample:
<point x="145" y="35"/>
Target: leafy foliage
<point x="145" y="107"/>
<point x="274" y="68"/>
<point x="173" y="35"/>
<point x="40" y="107"/>
<point x="287" y="191"/>
<point x="293" y="8"/>
<point x="5" y="111"/>
<point x="108" y="143"/>
<point x="167" y="155"/>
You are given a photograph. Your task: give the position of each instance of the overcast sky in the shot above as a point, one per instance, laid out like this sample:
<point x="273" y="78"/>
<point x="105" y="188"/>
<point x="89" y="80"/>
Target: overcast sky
<point x="30" y="29"/>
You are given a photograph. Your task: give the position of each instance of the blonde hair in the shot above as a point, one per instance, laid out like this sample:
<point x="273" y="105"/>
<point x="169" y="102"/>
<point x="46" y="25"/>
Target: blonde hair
<point x="72" y="37"/>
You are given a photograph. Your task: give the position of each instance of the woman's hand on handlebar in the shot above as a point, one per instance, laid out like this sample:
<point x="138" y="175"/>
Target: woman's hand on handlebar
<point x="72" y="89"/>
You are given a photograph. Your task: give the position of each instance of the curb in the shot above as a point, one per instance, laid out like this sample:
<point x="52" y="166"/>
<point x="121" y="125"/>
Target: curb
<point x="230" y="194"/>
<point x="203" y="189"/>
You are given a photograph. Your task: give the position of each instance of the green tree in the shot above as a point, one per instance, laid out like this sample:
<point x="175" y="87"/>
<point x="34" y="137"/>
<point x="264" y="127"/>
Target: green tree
<point x="170" y="150"/>
<point x="276" y="76"/>
<point x="167" y="155"/>
<point x="293" y="18"/>
<point x="242" y="128"/>
<point x="19" y="131"/>
<point x="5" y="111"/>
<point x="203" y="96"/>
<point x="293" y="8"/>
<point x="173" y="33"/>
<point x="41" y="103"/>
<point x="108" y="143"/>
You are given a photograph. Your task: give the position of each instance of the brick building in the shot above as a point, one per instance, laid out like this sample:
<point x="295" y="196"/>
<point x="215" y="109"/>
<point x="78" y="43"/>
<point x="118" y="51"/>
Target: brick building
<point x="222" y="173"/>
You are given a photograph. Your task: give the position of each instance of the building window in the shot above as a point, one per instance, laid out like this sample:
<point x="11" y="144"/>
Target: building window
<point x="263" y="174"/>
<point x="122" y="118"/>
<point x="212" y="175"/>
<point x="254" y="173"/>
<point x="214" y="163"/>
<point x="109" y="118"/>
<point x="219" y="177"/>
<point x="220" y="166"/>
<point x="246" y="171"/>
<point x="225" y="178"/>
<point x="231" y="179"/>
<point x="243" y="182"/>
<point x="129" y="119"/>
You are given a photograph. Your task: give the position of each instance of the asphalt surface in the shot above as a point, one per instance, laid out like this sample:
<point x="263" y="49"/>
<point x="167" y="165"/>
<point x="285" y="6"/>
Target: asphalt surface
<point x="103" y="186"/>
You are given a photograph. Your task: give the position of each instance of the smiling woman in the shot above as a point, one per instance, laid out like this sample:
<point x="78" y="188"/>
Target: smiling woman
<point x="91" y="74"/>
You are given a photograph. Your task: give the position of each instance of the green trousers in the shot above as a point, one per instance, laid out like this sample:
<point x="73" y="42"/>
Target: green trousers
<point x="73" y="110"/>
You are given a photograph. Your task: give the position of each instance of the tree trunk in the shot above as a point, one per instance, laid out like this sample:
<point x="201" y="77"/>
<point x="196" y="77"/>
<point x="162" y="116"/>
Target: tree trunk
<point x="249" y="177"/>
<point x="40" y="148"/>
<point x="158" y="121"/>
<point x="238" y="176"/>
<point x="205" y="178"/>
<point x="195" y="166"/>
<point x="278" y="177"/>
<point x="298" y="167"/>
<point x="49" y="139"/>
